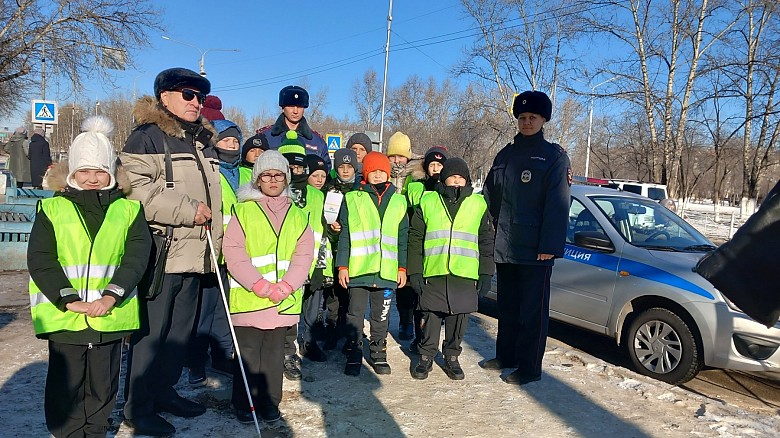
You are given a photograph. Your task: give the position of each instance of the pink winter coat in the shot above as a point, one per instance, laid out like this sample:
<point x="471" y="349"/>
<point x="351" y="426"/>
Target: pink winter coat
<point x="242" y="270"/>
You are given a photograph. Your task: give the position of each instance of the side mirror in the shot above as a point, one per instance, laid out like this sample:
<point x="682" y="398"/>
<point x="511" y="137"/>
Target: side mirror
<point x="594" y="240"/>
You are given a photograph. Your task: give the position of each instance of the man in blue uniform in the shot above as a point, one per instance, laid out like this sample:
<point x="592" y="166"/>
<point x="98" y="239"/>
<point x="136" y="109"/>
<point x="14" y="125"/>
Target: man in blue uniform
<point x="527" y="191"/>
<point x="294" y="100"/>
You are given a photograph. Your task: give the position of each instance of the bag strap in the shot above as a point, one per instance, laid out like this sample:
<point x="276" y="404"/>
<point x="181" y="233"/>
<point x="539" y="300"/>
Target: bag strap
<point x="169" y="184"/>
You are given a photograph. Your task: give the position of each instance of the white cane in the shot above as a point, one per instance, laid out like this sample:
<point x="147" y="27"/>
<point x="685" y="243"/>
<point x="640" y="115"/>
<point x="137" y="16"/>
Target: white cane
<point x="232" y="329"/>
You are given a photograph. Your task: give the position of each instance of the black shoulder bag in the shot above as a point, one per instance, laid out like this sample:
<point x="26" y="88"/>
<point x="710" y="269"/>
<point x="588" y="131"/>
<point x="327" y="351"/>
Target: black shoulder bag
<point x="151" y="283"/>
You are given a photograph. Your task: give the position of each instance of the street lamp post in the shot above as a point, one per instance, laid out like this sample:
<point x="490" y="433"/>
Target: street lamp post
<point x="590" y="122"/>
<point x="202" y="62"/>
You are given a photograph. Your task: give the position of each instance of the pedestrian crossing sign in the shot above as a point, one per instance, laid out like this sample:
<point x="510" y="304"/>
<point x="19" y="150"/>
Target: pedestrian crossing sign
<point x="44" y="112"/>
<point x="333" y="141"/>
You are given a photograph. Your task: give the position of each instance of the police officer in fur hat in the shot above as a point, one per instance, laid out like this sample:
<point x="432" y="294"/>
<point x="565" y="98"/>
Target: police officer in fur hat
<point x="527" y="191"/>
<point x="294" y="100"/>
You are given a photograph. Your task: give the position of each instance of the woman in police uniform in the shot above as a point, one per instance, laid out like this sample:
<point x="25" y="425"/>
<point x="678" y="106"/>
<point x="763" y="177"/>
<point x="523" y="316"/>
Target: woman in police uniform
<point x="527" y="191"/>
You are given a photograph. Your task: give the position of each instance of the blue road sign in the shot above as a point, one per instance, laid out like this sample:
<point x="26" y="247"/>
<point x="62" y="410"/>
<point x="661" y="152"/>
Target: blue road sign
<point x="333" y="141"/>
<point x="44" y="112"/>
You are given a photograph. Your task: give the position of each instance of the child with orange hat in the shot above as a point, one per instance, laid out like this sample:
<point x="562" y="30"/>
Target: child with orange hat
<point x="371" y="259"/>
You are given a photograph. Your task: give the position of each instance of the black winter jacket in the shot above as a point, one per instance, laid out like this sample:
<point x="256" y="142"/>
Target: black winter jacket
<point x="528" y="195"/>
<point x="342" y="255"/>
<point x="40" y="158"/>
<point x="449" y="293"/>
<point x="47" y="272"/>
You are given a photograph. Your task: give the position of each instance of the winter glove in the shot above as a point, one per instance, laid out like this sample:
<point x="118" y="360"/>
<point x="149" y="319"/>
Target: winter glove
<point x="280" y="291"/>
<point x="484" y="284"/>
<point x="262" y="288"/>
<point x="416" y="281"/>
<point x="317" y="279"/>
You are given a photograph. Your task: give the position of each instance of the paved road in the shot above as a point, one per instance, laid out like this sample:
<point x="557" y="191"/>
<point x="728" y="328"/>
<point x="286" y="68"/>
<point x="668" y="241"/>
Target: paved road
<point x="754" y="391"/>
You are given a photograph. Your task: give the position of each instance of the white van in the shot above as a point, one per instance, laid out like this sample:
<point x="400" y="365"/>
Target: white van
<point x="653" y="191"/>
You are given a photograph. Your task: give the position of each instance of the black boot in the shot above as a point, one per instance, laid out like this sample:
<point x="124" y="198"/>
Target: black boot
<point x="424" y="365"/>
<point x="312" y="352"/>
<point x="379" y="356"/>
<point x="354" y="352"/>
<point x="292" y="367"/>
<point x="452" y="368"/>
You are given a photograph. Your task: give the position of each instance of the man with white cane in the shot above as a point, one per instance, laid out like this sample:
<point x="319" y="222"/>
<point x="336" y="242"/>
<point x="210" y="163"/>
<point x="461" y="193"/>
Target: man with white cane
<point x="269" y="248"/>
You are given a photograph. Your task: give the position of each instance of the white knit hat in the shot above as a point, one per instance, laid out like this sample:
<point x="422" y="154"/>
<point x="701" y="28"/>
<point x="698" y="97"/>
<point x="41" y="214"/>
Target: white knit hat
<point x="271" y="159"/>
<point x="93" y="150"/>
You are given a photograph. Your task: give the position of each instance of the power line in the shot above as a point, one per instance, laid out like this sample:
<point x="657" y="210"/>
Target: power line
<point x="408" y="45"/>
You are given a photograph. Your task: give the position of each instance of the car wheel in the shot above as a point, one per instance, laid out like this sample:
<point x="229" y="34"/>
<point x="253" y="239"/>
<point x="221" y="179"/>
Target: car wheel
<point x="662" y="346"/>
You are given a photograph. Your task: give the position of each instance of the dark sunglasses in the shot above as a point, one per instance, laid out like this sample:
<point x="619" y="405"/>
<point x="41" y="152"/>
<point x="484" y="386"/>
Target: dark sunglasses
<point x="188" y="95"/>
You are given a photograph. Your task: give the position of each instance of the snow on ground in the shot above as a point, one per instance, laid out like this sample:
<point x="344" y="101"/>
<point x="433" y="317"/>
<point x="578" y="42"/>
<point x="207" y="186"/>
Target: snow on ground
<point x="579" y="395"/>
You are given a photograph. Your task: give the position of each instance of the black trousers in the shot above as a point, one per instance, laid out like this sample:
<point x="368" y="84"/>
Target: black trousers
<point x="454" y="331"/>
<point x="523" y="316"/>
<point x="212" y="328"/>
<point x="379" y="318"/>
<point x="310" y="312"/>
<point x="81" y="388"/>
<point x="262" y="353"/>
<point x="158" y="351"/>
<point x="406" y="303"/>
<point x="336" y="304"/>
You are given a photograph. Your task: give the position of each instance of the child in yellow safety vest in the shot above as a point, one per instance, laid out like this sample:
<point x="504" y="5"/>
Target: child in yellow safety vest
<point x="371" y="259"/>
<point x="450" y="264"/>
<point x="88" y="249"/>
<point x="268" y="247"/>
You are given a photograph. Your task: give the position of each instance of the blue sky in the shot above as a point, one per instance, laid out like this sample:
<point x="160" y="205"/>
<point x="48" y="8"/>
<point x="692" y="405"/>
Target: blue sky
<point x="329" y="43"/>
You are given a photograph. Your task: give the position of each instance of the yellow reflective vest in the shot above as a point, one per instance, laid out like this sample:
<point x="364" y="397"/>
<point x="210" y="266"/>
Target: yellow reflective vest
<point x="451" y="246"/>
<point x="228" y="200"/>
<point x="414" y="192"/>
<point x="315" y="204"/>
<point x="373" y="241"/>
<point x="244" y="175"/>
<point x="270" y="253"/>
<point x="89" y="265"/>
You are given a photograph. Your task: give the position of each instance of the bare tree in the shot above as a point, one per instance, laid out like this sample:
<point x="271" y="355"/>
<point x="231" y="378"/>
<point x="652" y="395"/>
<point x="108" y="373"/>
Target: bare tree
<point x="367" y="99"/>
<point x="667" y="41"/>
<point x="67" y="39"/>
<point x="523" y="45"/>
<point x="237" y="116"/>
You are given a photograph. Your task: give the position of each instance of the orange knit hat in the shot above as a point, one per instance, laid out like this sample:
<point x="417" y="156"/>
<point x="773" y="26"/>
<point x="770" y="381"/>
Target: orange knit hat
<point x="375" y="161"/>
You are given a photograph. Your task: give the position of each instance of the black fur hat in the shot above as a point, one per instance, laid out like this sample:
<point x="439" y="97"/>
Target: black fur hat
<point x="177" y="78"/>
<point x="293" y="95"/>
<point x="535" y="102"/>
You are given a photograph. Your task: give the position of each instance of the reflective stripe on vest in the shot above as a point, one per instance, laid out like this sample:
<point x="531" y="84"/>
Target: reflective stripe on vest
<point x="89" y="266"/>
<point x="270" y="254"/>
<point x="228" y="200"/>
<point x="415" y="192"/>
<point x="451" y="247"/>
<point x="373" y="242"/>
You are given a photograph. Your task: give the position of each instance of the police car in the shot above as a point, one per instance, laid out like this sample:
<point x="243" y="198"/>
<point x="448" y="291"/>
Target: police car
<point x="635" y="284"/>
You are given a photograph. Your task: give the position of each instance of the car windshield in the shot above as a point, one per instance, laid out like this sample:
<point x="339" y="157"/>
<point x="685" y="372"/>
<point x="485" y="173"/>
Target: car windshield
<point x="650" y="225"/>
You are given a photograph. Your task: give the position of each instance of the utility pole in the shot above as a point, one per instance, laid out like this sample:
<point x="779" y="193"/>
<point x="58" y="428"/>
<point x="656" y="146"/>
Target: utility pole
<point x="384" y="82"/>
<point x="590" y="122"/>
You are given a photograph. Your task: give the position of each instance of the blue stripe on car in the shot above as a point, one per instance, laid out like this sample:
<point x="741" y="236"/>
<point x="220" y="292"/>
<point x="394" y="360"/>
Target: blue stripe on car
<point x="637" y="269"/>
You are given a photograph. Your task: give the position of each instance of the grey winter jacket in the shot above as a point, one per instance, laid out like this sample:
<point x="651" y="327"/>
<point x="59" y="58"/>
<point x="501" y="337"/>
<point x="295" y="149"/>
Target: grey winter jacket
<point x="18" y="160"/>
